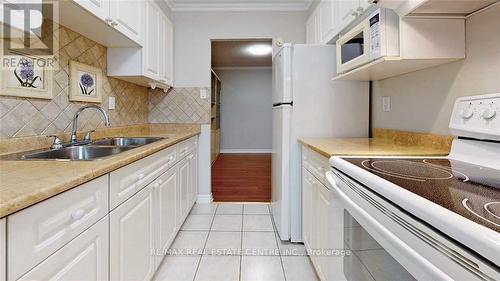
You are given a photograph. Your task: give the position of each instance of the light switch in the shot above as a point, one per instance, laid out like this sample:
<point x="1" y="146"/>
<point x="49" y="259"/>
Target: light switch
<point x="111" y="103"/>
<point x="386" y="104"/>
<point x="203" y="93"/>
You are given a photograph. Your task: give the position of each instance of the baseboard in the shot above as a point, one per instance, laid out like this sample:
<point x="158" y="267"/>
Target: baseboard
<point x="246" y="151"/>
<point x="205" y="199"/>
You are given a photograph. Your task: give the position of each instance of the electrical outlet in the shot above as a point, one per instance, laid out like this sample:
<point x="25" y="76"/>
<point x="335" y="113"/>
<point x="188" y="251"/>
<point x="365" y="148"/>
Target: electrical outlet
<point x="203" y="93"/>
<point x="386" y="104"/>
<point x="111" y="103"/>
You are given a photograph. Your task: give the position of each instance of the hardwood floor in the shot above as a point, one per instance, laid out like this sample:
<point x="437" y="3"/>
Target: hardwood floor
<point x="242" y="178"/>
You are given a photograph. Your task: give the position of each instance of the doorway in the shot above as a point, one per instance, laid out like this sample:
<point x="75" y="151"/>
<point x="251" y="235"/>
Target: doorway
<point x="241" y="120"/>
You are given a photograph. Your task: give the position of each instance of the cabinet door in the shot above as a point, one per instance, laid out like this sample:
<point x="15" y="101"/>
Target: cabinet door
<point x="99" y="8"/>
<point x="165" y="210"/>
<point x="322" y="215"/>
<point x="152" y="40"/>
<point x="126" y="16"/>
<point x="83" y="258"/>
<point x="310" y="30"/>
<point x="132" y="238"/>
<point x="3" y="249"/>
<point x="313" y="27"/>
<point x="166" y="47"/>
<point x="345" y="12"/>
<point x="184" y="182"/>
<point x="193" y="165"/>
<point x="326" y="20"/>
<point x="307" y="196"/>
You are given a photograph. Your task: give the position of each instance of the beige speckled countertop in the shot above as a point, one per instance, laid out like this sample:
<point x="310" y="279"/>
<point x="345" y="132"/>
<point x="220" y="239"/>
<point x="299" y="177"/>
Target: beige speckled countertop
<point x="24" y="183"/>
<point x="385" y="143"/>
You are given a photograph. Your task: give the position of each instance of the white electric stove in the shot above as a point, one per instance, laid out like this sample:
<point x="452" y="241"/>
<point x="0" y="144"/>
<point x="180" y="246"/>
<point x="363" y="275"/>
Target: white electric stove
<point x="424" y="218"/>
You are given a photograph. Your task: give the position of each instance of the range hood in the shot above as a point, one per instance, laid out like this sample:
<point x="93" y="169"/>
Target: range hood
<point x="435" y="7"/>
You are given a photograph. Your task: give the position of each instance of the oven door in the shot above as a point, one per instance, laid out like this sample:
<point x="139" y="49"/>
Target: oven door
<point x="353" y="48"/>
<point x="383" y="243"/>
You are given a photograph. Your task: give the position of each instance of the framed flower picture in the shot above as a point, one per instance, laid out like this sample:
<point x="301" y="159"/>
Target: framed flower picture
<point x="85" y="83"/>
<point x="26" y="76"/>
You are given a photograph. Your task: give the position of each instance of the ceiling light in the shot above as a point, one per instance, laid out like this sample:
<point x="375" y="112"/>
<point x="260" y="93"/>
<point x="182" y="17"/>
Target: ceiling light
<point x="260" y="50"/>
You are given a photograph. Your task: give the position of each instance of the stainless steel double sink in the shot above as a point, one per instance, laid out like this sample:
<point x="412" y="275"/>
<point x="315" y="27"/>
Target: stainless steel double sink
<point x="96" y="150"/>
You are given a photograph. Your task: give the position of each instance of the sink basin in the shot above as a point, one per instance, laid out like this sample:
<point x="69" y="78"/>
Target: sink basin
<point x="124" y="142"/>
<point x="77" y="153"/>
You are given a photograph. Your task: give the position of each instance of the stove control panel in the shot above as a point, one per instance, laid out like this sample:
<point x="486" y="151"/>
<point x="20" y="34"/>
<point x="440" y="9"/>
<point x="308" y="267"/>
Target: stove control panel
<point x="477" y="117"/>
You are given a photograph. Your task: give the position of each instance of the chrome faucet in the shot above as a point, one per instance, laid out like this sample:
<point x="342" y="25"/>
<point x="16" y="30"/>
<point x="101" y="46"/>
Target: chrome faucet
<point x="75" y="119"/>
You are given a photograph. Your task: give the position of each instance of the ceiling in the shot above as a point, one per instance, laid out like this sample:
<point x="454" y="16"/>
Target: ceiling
<point x="235" y="53"/>
<point x="239" y="5"/>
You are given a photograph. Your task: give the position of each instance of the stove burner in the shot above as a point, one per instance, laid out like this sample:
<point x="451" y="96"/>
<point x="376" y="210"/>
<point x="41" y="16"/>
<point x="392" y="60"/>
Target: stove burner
<point x="466" y="200"/>
<point x="490" y="211"/>
<point x="408" y="170"/>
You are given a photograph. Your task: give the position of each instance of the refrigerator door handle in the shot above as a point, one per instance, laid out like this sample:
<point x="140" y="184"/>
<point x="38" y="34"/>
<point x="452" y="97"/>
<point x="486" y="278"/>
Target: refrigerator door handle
<point x="283" y="103"/>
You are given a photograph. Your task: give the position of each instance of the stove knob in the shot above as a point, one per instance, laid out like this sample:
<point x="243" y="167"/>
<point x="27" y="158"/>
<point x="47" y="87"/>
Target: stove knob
<point x="488" y="113"/>
<point x="466" y="113"/>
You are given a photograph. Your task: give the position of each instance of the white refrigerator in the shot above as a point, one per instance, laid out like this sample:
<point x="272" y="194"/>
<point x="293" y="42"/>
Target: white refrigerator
<point x="308" y="104"/>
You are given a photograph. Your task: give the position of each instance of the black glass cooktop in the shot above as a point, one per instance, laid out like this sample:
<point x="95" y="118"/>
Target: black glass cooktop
<point x="469" y="190"/>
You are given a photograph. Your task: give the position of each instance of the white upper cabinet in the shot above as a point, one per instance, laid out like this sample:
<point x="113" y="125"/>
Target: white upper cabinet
<point x="108" y="22"/>
<point x="166" y="51"/>
<point x="151" y="65"/>
<point x="152" y="40"/>
<point x="313" y="27"/>
<point x="99" y="8"/>
<point x="126" y="17"/>
<point x="330" y="17"/>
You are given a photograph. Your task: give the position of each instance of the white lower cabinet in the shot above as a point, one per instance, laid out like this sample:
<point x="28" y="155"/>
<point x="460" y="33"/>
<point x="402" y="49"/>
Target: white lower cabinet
<point x="77" y="235"/>
<point x="184" y="182"/>
<point x="165" y="210"/>
<point x="315" y="212"/>
<point x="3" y="250"/>
<point x="193" y="169"/>
<point x="83" y="258"/>
<point x="132" y="237"/>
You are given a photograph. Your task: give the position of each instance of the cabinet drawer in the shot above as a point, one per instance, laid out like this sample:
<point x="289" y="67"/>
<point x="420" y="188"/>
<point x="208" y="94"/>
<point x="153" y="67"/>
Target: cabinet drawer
<point x="38" y="231"/>
<point x="315" y="163"/>
<point x="185" y="147"/>
<point x="126" y="181"/>
<point x="84" y="258"/>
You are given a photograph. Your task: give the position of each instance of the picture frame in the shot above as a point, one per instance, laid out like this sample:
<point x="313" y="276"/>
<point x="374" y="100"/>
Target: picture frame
<point x="26" y="77"/>
<point x="85" y="83"/>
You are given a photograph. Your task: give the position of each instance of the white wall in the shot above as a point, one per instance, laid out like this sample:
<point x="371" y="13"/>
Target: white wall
<point x="193" y="31"/>
<point x="246" y="110"/>
<point x="422" y="101"/>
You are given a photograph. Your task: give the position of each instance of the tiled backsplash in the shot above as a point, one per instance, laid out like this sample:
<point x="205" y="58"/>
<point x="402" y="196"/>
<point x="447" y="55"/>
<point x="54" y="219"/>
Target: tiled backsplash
<point x="28" y="117"/>
<point x="180" y="105"/>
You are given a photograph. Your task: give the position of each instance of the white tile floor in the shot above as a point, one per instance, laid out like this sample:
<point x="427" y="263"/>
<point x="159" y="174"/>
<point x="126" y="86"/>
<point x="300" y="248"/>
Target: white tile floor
<point x="233" y="242"/>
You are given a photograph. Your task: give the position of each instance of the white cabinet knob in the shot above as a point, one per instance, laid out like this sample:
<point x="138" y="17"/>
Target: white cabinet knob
<point x="488" y="113"/>
<point x="156" y="185"/>
<point x="160" y="182"/>
<point x="140" y="176"/>
<point x="114" y="23"/>
<point x="466" y="113"/>
<point x="78" y="214"/>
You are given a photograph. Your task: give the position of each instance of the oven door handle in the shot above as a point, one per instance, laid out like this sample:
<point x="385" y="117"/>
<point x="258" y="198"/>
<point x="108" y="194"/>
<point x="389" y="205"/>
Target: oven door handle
<point x="417" y="262"/>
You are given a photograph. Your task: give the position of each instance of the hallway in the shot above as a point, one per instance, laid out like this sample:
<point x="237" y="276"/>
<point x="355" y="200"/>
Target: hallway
<point x="242" y="178"/>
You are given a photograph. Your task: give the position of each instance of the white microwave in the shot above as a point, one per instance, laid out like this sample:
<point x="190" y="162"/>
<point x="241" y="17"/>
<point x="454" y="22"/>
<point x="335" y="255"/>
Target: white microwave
<point x="375" y="37"/>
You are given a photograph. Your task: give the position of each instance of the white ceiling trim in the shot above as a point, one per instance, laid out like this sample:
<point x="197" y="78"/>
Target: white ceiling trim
<point x="216" y="7"/>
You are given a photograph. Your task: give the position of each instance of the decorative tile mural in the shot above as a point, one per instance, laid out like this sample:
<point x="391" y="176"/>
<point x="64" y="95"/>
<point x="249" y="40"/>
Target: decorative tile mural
<point x="180" y="105"/>
<point x="28" y="116"/>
